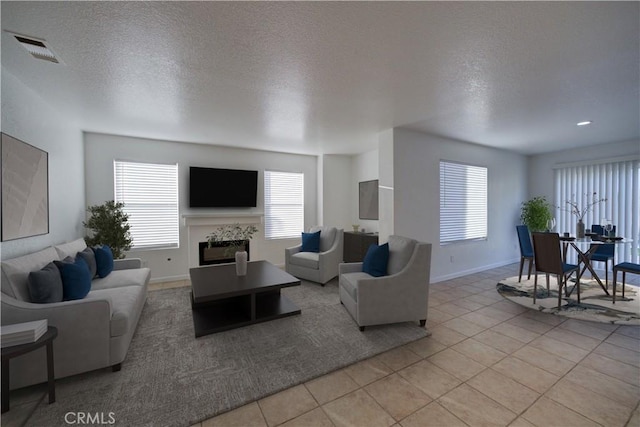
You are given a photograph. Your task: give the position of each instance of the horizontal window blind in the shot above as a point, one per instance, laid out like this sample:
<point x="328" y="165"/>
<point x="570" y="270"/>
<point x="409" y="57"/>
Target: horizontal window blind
<point x="619" y="183"/>
<point x="150" y="196"/>
<point x="463" y="202"/>
<point x="283" y="204"/>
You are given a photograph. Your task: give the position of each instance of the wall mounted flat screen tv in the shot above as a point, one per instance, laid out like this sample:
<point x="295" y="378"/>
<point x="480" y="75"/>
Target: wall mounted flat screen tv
<point x="222" y="188"/>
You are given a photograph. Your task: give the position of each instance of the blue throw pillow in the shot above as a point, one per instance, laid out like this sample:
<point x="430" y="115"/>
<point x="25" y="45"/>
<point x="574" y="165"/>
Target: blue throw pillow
<point x="311" y="242"/>
<point x="104" y="260"/>
<point x="45" y="285"/>
<point x="376" y="259"/>
<point x="76" y="278"/>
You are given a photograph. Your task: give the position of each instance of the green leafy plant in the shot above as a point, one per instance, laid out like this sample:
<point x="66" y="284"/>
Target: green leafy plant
<point x="232" y="236"/>
<point x="535" y="213"/>
<point x="109" y="225"/>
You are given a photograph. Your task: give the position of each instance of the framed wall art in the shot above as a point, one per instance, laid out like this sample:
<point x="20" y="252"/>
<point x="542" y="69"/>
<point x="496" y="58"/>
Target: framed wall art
<point x="368" y="199"/>
<point x="25" y="189"/>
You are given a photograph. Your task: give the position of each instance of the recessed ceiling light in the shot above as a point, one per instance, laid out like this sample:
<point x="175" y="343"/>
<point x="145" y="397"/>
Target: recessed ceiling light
<point x="588" y="122"/>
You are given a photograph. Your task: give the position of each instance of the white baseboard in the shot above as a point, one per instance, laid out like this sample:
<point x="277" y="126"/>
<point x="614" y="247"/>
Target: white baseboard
<point x="169" y="278"/>
<point x="473" y="270"/>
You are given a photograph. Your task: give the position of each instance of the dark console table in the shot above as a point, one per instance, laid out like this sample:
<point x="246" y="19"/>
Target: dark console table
<point x="356" y="245"/>
<point x="9" y="353"/>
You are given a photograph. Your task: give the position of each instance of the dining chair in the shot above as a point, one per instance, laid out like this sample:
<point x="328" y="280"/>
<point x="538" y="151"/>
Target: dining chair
<point x="526" y="250"/>
<point x="599" y="229"/>
<point x="548" y="259"/>
<point x="624" y="267"/>
<point x="603" y="253"/>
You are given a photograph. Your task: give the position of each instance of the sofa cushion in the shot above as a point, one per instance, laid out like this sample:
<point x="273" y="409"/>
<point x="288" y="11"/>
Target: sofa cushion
<point x="311" y="242"/>
<point x="15" y="272"/>
<point x="400" y="252"/>
<point x="376" y="259"/>
<point x="104" y="260"/>
<point x="90" y="258"/>
<point x="76" y="278"/>
<point x="327" y="236"/>
<point x="121" y="278"/>
<point x="306" y="259"/>
<point x="349" y="282"/>
<point x="70" y="248"/>
<point x="45" y="285"/>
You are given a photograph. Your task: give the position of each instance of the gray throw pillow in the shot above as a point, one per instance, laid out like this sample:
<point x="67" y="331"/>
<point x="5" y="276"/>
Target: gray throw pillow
<point x="90" y="258"/>
<point x="45" y="286"/>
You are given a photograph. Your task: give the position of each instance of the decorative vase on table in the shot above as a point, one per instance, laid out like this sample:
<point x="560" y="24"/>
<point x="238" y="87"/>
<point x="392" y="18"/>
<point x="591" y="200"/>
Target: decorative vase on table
<point x="580" y="229"/>
<point x="241" y="263"/>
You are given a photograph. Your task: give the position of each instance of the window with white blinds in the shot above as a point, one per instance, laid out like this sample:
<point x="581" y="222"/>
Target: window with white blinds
<point x="463" y="202"/>
<point x="616" y="180"/>
<point x="283" y="204"/>
<point x="150" y="196"/>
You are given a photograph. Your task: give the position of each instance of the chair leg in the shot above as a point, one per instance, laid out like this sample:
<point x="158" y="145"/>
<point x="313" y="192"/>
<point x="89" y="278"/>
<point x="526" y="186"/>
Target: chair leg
<point x="521" y="265"/>
<point x="577" y="287"/>
<point x="615" y="278"/>
<point x="624" y="273"/>
<point x="530" y="265"/>
<point x="559" y="280"/>
<point x="535" y="286"/>
<point x="548" y="291"/>
<point x="606" y="273"/>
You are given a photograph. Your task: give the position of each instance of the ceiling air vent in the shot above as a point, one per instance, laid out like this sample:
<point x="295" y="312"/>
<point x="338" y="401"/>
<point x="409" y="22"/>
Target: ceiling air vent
<point x="37" y="48"/>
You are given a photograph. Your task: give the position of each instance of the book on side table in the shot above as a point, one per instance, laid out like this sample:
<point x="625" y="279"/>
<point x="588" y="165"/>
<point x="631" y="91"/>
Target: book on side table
<point x="22" y="333"/>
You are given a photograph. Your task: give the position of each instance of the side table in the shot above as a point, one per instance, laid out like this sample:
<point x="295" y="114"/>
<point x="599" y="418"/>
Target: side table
<point x="10" y="352"/>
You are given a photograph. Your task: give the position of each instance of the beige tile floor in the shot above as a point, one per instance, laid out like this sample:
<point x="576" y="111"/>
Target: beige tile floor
<point x="487" y="362"/>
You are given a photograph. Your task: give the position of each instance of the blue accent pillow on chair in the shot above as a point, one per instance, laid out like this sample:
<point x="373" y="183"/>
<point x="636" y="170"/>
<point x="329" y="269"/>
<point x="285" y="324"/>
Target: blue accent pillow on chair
<point x="376" y="260"/>
<point x="104" y="260"/>
<point x="311" y="242"/>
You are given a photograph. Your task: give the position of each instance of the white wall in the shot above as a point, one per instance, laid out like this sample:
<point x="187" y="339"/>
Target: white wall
<point x="416" y="158"/>
<point x="336" y="192"/>
<point x="364" y="167"/>
<point x="172" y="264"/>
<point x="27" y="117"/>
<point x="541" y="166"/>
<point x="386" y="202"/>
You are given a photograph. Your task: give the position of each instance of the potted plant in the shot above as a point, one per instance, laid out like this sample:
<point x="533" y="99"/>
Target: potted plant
<point x="233" y="237"/>
<point x="536" y="213"/>
<point x="108" y="225"/>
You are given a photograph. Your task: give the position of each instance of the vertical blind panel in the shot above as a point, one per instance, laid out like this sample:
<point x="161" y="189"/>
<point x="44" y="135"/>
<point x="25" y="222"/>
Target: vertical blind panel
<point x="619" y="183"/>
<point x="150" y="196"/>
<point x="463" y="202"/>
<point x="283" y="204"/>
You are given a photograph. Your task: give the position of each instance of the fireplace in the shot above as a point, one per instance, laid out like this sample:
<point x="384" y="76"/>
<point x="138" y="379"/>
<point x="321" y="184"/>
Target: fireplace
<point x="219" y="252"/>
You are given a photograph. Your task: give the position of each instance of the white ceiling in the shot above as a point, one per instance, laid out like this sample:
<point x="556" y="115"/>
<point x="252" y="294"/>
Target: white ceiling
<point x="318" y="77"/>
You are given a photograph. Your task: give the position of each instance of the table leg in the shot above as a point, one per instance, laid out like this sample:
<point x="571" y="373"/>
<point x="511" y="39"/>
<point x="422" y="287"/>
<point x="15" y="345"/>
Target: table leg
<point x="595" y="276"/>
<point x="5" y="385"/>
<point x="50" y="374"/>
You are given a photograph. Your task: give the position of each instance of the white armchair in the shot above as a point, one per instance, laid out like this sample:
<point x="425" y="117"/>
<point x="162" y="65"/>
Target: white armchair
<point x="317" y="267"/>
<point x="402" y="296"/>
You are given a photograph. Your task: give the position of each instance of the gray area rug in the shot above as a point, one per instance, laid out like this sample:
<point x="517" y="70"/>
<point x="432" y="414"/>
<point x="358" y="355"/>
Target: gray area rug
<point x="170" y="378"/>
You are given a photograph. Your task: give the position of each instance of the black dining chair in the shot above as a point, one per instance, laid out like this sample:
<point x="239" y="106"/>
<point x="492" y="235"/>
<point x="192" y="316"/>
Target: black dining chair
<point x="603" y="253"/>
<point x="548" y="259"/>
<point x="599" y="229"/>
<point x="624" y="267"/>
<point x="526" y="250"/>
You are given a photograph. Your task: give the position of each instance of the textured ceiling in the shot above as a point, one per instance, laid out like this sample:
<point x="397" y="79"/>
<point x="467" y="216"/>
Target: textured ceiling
<point x="319" y="77"/>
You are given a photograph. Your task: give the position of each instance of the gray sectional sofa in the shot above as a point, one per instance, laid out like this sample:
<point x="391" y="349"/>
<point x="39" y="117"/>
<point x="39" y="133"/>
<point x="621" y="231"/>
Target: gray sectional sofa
<point x="93" y="332"/>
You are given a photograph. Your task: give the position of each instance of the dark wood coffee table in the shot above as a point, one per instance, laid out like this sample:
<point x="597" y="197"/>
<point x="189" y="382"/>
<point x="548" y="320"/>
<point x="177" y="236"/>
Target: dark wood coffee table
<point x="222" y="300"/>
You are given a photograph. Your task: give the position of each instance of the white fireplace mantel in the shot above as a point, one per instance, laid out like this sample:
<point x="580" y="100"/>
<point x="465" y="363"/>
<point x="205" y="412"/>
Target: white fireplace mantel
<point x="201" y="224"/>
<point x="195" y="220"/>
